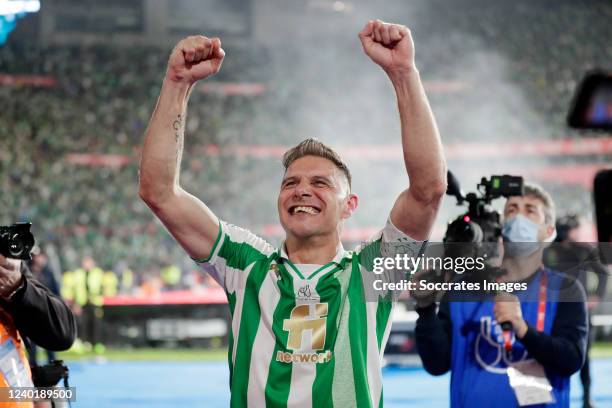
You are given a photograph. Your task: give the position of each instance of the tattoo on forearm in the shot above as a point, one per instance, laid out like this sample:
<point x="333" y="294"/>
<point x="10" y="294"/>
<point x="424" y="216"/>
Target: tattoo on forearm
<point x="176" y="125"/>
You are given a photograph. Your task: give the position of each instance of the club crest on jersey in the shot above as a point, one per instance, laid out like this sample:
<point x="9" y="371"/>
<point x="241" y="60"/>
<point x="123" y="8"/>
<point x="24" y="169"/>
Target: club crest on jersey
<point x="304" y="292"/>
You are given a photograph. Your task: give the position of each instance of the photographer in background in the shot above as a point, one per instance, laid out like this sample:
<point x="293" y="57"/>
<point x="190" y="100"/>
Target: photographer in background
<point x="547" y="339"/>
<point x="576" y="259"/>
<point x="28" y="309"/>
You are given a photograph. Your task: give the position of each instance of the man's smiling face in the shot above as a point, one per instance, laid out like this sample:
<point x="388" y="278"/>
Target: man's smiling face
<point x="314" y="198"/>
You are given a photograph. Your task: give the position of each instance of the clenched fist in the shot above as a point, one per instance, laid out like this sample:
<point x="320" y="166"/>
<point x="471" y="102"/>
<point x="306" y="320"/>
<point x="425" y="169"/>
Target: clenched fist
<point x="194" y="58"/>
<point x="388" y="45"/>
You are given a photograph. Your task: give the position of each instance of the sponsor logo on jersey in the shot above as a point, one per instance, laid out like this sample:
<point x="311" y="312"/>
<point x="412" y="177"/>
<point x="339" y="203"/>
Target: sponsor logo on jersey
<point x="307" y="330"/>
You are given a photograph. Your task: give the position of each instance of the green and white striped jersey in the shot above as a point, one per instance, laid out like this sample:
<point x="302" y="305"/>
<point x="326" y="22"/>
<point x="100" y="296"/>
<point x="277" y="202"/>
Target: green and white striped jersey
<point x="302" y="335"/>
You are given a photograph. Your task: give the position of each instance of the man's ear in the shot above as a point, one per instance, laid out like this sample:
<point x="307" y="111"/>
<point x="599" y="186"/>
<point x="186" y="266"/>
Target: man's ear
<point x="551" y="233"/>
<point x="352" y="201"/>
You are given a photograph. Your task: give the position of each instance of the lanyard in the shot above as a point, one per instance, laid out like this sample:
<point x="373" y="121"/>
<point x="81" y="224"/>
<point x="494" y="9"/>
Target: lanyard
<point x="542" y="301"/>
<point x="542" y="293"/>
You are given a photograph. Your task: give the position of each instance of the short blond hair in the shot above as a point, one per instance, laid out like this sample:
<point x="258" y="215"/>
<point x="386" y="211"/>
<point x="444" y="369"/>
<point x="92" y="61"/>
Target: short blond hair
<point x="536" y="191"/>
<point x="314" y="147"/>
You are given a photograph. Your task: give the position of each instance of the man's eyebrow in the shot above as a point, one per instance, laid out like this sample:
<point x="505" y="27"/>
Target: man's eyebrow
<point x="290" y="178"/>
<point x="325" y="178"/>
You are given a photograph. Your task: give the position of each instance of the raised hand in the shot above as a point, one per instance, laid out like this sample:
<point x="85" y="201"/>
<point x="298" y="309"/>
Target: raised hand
<point x="388" y="45"/>
<point x="194" y="58"/>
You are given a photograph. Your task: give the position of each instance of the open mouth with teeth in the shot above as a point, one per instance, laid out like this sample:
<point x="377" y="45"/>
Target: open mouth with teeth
<point x="305" y="209"/>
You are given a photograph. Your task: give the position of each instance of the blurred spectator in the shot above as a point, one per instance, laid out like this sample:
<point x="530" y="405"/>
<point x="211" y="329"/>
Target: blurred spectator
<point x="43" y="272"/>
<point x="579" y="260"/>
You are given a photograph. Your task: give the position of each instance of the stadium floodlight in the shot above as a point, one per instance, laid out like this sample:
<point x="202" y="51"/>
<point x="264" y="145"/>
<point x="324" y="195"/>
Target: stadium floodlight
<point x="10" y="11"/>
<point x="13" y="7"/>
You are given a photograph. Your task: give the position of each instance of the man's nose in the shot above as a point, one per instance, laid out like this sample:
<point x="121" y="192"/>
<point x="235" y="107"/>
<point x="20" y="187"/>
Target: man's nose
<point x="303" y="190"/>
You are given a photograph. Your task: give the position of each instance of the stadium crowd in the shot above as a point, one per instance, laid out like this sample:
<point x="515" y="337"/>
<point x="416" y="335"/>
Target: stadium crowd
<point x="103" y="96"/>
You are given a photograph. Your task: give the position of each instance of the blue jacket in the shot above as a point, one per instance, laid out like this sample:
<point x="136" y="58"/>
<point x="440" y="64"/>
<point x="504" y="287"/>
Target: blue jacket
<point x="465" y="338"/>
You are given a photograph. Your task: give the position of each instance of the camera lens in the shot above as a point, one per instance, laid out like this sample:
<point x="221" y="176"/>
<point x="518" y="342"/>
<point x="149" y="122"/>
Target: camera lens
<point x="464" y="231"/>
<point x="20" y="244"/>
<point x="15" y="246"/>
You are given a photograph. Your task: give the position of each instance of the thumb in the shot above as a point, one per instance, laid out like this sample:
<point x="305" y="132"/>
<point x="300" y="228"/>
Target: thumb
<point x="367" y="30"/>
<point x="368" y="44"/>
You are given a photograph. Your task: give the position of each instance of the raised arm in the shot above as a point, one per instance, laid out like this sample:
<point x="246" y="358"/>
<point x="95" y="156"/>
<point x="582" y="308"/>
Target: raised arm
<point x="191" y="223"/>
<point x="391" y="47"/>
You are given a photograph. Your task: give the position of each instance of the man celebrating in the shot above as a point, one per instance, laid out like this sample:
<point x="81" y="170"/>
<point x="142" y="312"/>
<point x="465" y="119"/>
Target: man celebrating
<point x="302" y="333"/>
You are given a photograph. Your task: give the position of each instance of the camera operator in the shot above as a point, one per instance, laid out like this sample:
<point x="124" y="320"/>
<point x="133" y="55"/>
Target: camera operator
<point x="28" y="309"/>
<point x="539" y="335"/>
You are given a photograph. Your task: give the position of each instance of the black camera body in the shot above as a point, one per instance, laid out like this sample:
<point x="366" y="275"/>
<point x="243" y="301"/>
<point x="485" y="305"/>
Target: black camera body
<point x="480" y="227"/>
<point x="49" y="375"/>
<point x="16" y="241"/>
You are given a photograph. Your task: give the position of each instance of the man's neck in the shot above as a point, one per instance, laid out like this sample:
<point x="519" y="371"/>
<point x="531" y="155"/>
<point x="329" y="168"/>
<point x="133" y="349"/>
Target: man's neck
<point x="315" y="250"/>
<point x="519" y="269"/>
